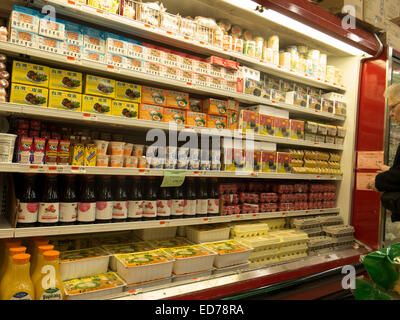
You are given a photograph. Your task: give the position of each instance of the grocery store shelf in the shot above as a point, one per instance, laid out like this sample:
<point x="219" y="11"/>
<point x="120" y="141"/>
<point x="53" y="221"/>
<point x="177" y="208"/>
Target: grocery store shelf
<point x="5" y="228"/>
<point x="67" y="169"/>
<point x="122" y="226"/>
<point x="75" y="10"/>
<point x="35" y="112"/>
<point x="40" y="56"/>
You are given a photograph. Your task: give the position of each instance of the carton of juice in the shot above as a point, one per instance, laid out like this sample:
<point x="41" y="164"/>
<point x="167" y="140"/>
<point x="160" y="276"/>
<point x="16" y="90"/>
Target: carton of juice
<point x="232" y="119"/>
<point x="128" y="92"/>
<point x="125" y="109"/>
<point x="63" y="152"/>
<point x="154" y="96"/>
<point x="214" y="121"/>
<point x="24" y="94"/>
<point x="96" y="104"/>
<point x="150" y="112"/>
<point x="51" y="151"/>
<point x="215" y="106"/>
<point x="100" y="86"/>
<point x="284" y="159"/>
<point x="196" y="119"/>
<point x="65" y="80"/>
<point x="249" y="121"/>
<point x="177" y="99"/>
<point x="30" y="74"/>
<point x="281" y="127"/>
<point x="297" y="129"/>
<point x="65" y="100"/>
<point x="90" y="155"/>
<point x="269" y="161"/>
<point x="195" y="105"/>
<point x="24" y="18"/>
<point x="267" y="125"/>
<point x="174" y="115"/>
<point x="38" y="150"/>
<point x="24" y="149"/>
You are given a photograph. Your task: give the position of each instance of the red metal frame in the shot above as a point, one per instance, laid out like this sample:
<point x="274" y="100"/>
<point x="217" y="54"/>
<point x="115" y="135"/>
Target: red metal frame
<point x="320" y="19"/>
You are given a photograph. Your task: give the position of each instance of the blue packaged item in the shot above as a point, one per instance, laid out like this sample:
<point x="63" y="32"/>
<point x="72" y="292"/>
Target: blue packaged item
<point x="136" y="50"/>
<point x="73" y="32"/>
<point x="51" y="29"/>
<point x="23" y="38"/>
<point x="94" y="40"/>
<point x="23" y="18"/>
<point x="116" y="44"/>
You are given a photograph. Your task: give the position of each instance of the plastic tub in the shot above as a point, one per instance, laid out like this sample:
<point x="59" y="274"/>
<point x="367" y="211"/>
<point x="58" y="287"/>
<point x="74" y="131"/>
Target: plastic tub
<point x="117" y="148"/>
<point x="191" y="276"/>
<point x="94" y="287"/>
<point x="7" y="144"/>
<point x="117" y="161"/>
<point x="191" y="259"/>
<point x="207" y="233"/>
<point x="138" y="267"/>
<point x="101" y="147"/>
<point x="235" y="268"/>
<point x="229" y="253"/>
<point x="83" y="263"/>
<point x="156" y="233"/>
<point x="128" y="149"/>
<point x="102" y="160"/>
<point x="128" y="162"/>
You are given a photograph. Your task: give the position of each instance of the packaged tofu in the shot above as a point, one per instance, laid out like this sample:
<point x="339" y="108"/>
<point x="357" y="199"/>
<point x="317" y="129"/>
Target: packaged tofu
<point x="51" y="45"/>
<point x="125" y="109"/>
<point x="249" y="121"/>
<point x="31" y="74"/>
<point x="23" y="94"/>
<point x="51" y="29"/>
<point x="176" y="116"/>
<point x="196" y="119"/>
<point x="99" y="86"/>
<point x="65" y="100"/>
<point x="176" y="99"/>
<point x="116" y="44"/>
<point x="115" y="60"/>
<point x="218" y="122"/>
<point x="283" y="162"/>
<point x="151" y="112"/>
<point x="341" y="132"/>
<point x="94" y="40"/>
<point x="215" y="106"/>
<point x="128" y="92"/>
<point x="296" y="98"/>
<point x="136" y="50"/>
<point x="93" y="104"/>
<point x="65" y="80"/>
<point x="23" y="38"/>
<point x="24" y="19"/>
<point x="72" y="50"/>
<point x="296" y="129"/>
<point x="135" y="64"/>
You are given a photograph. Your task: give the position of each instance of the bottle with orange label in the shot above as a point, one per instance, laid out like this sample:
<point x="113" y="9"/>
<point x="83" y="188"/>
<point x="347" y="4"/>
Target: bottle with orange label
<point x="34" y="253"/>
<point x="7" y="244"/>
<point x="49" y="285"/>
<point x="18" y="286"/>
<point x="37" y="271"/>
<point x="9" y="262"/>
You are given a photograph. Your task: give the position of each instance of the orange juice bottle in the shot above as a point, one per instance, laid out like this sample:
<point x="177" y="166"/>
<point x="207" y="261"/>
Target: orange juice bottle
<point x="49" y="286"/>
<point x="37" y="272"/>
<point x="9" y="262"/>
<point x="36" y="243"/>
<point x="17" y="284"/>
<point x="9" y="243"/>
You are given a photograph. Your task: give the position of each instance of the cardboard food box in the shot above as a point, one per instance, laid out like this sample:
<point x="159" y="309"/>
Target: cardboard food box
<point x="93" y="56"/>
<point x="296" y="98"/>
<point x="65" y="100"/>
<point x="281" y="127"/>
<point x="267" y="125"/>
<point x="195" y="105"/>
<point x="115" y="60"/>
<point x="286" y="86"/>
<point x="30" y="74"/>
<point x="309" y="137"/>
<point x="34" y="96"/>
<point x="99" y="86"/>
<point x="253" y="87"/>
<point x="24" y="18"/>
<point x="196" y="119"/>
<point x="125" y="109"/>
<point x="151" y="112"/>
<point x="65" y="80"/>
<point x="23" y="38"/>
<point x="177" y="99"/>
<point x="272" y="82"/>
<point x="233" y="105"/>
<point x="327" y="105"/>
<point x="93" y="104"/>
<point x="73" y="33"/>
<point x="340" y="108"/>
<point x="51" y="45"/>
<point x="128" y="92"/>
<point x="154" y="96"/>
<point x="233" y="119"/>
<point x="136" y="50"/>
<point x="52" y="29"/>
<point x="278" y="96"/>
<point x="283" y="162"/>
<point x="215" y="106"/>
<point x="269" y="161"/>
<point x="94" y="40"/>
<point x="177" y="116"/>
<point x="116" y="44"/>
<point x="249" y="121"/>
<point x="214" y="121"/>
<point x="297" y="129"/>
<point x="314" y="103"/>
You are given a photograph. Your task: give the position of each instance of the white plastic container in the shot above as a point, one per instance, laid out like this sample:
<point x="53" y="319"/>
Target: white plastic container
<point x="191" y="276"/>
<point x="83" y="263"/>
<point x="117" y="148"/>
<point x="207" y="233"/>
<point x="190" y="259"/>
<point x="156" y="233"/>
<point x="94" y="287"/>
<point x="7" y="144"/>
<point x="229" y="253"/>
<point x="139" y="267"/>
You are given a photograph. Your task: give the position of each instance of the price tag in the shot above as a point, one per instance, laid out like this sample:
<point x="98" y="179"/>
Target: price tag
<point x="238" y="216"/>
<point x="205" y="219"/>
<point x="162" y="222"/>
<point x="173" y="178"/>
<point x="78" y="169"/>
<point x="70" y="2"/>
<point x="89" y="116"/>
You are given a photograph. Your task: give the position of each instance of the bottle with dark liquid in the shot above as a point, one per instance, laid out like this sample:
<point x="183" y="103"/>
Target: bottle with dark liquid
<point x="68" y="201"/>
<point x="190" y="199"/>
<point x="177" y="203"/>
<point x="164" y="203"/>
<point x="135" y="200"/>
<point x="49" y="207"/>
<point x="213" y="199"/>
<point x="28" y="207"/>
<point x="104" y="203"/>
<point x="201" y="199"/>
<point x="87" y="201"/>
<point x="120" y="204"/>
<point x="150" y="200"/>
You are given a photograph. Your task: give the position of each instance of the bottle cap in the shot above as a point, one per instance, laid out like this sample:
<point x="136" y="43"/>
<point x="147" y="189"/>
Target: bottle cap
<point x="21" y="258"/>
<point x="13" y="243"/>
<point x="47" y="247"/>
<point x="51" y="255"/>
<point x="17" y="250"/>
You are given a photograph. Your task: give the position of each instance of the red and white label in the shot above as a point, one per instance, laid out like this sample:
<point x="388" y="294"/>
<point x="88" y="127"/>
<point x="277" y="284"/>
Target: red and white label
<point x="49" y="212"/>
<point x="213" y="206"/>
<point x="164" y="208"/>
<point x="120" y="210"/>
<point x="135" y="209"/>
<point x="190" y="208"/>
<point x="86" y="211"/>
<point x="104" y="210"/>
<point x="68" y="211"/>
<point x="177" y="207"/>
<point x="149" y="209"/>
<point x="202" y="206"/>
<point x="27" y="212"/>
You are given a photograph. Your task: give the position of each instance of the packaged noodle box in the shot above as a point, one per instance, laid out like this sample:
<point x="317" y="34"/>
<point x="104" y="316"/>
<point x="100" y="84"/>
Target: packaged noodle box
<point x="281" y="127"/>
<point x="128" y="92"/>
<point x="116" y="44"/>
<point x="94" y="104"/>
<point x="215" y="106"/>
<point x="65" y="100"/>
<point x="154" y="96"/>
<point x="340" y="108"/>
<point x="296" y="98"/>
<point x="24" y="18"/>
<point x="65" y="80"/>
<point x="268" y="161"/>
<point x="34" y="96"/>
<point x="267" y="125"/>
<point x="327" y="105"/>
<point x="297" y="129"/>
<point x="93" y="56"/>
<point x="150" y="112"/>
<point x="195" y="105"/>
<point x="94" y="40"/>
<point x="174" y="115"/>
<point x="51" y="29"/>
<point x="214" y="121"/>
<point x="232" y="119"/>
<point x="51" y="45"/>
<point x="100" y="86"/>
<point x="249" y="121"/>
<point x="125" y="109"/>
<point x="284" y="162"/>
<point x="73" y="33"/>
<point x="196" y="119"/>
<point x="116" y="60"/>
<point x="30" y="74"/>
<point x="23" y="38"/>
<point x="177" y="99"/>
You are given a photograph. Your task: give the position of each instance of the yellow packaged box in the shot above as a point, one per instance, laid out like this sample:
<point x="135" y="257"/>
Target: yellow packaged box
<point x="150" y="112"/>
<point x="174" y="115"/>
<point x="125" y="109"/>
<point x="78" y="155"/>
<point x="24" y="94"/>
<point x="177" y="99"/>
<point x="65" y="80"/>
<point x="96" y="104"/>
<point x="214" y="121"/>
<point x="128" y="92"/>
<point x="99" y="86"/>
<point x="65" y="100"/>
<point x="154" y="96"/>
<point x="30" y="74"/>
<point x="215" y="106"/>
<point x="196" y="119"/>
<point x="90" y="155"/>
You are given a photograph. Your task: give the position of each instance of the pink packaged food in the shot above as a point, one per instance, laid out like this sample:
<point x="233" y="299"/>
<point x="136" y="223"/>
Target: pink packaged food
<point x="268" y="207"/>
<point x="38" y="150"/>
<point x="24" y="149"/>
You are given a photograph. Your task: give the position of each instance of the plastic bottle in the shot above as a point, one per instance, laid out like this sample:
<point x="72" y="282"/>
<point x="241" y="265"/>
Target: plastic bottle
<point x="104" y="203"/>
<point x="49" y="286"/>
<point x="177" y="203"/>
<point x="19" y="286"/>
<point x="28" y="207"/>
<point x="37" y="272"/>
<point x="120" y="204"/>
<point x="68" y="201"/>
<point x="150" y="200"/>
<point x="202" y="199"/>
<point x="7" y="244"/>
<point x="36" y="244"/>
<point x="164" y="203"/>
<point x="135" y="200"/>
<point x="49" y="207"/>
<point x="87" y="201"/>
<point x="7" y="272"/>
<point x="213" y="199"/>
<point x="190" y="199"/>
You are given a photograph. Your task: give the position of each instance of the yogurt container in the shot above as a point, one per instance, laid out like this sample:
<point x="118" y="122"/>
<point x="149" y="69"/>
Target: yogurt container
<point x="102" y="160"/>
<point x="134" y="162"/>
<point x="137" y="150"/>
<point x="141" y="162"/>
<point x="117" y="161"/>
<point x="101" y="146"/>
<point x="117" y="148"/>
<point x="128" y="149"/>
